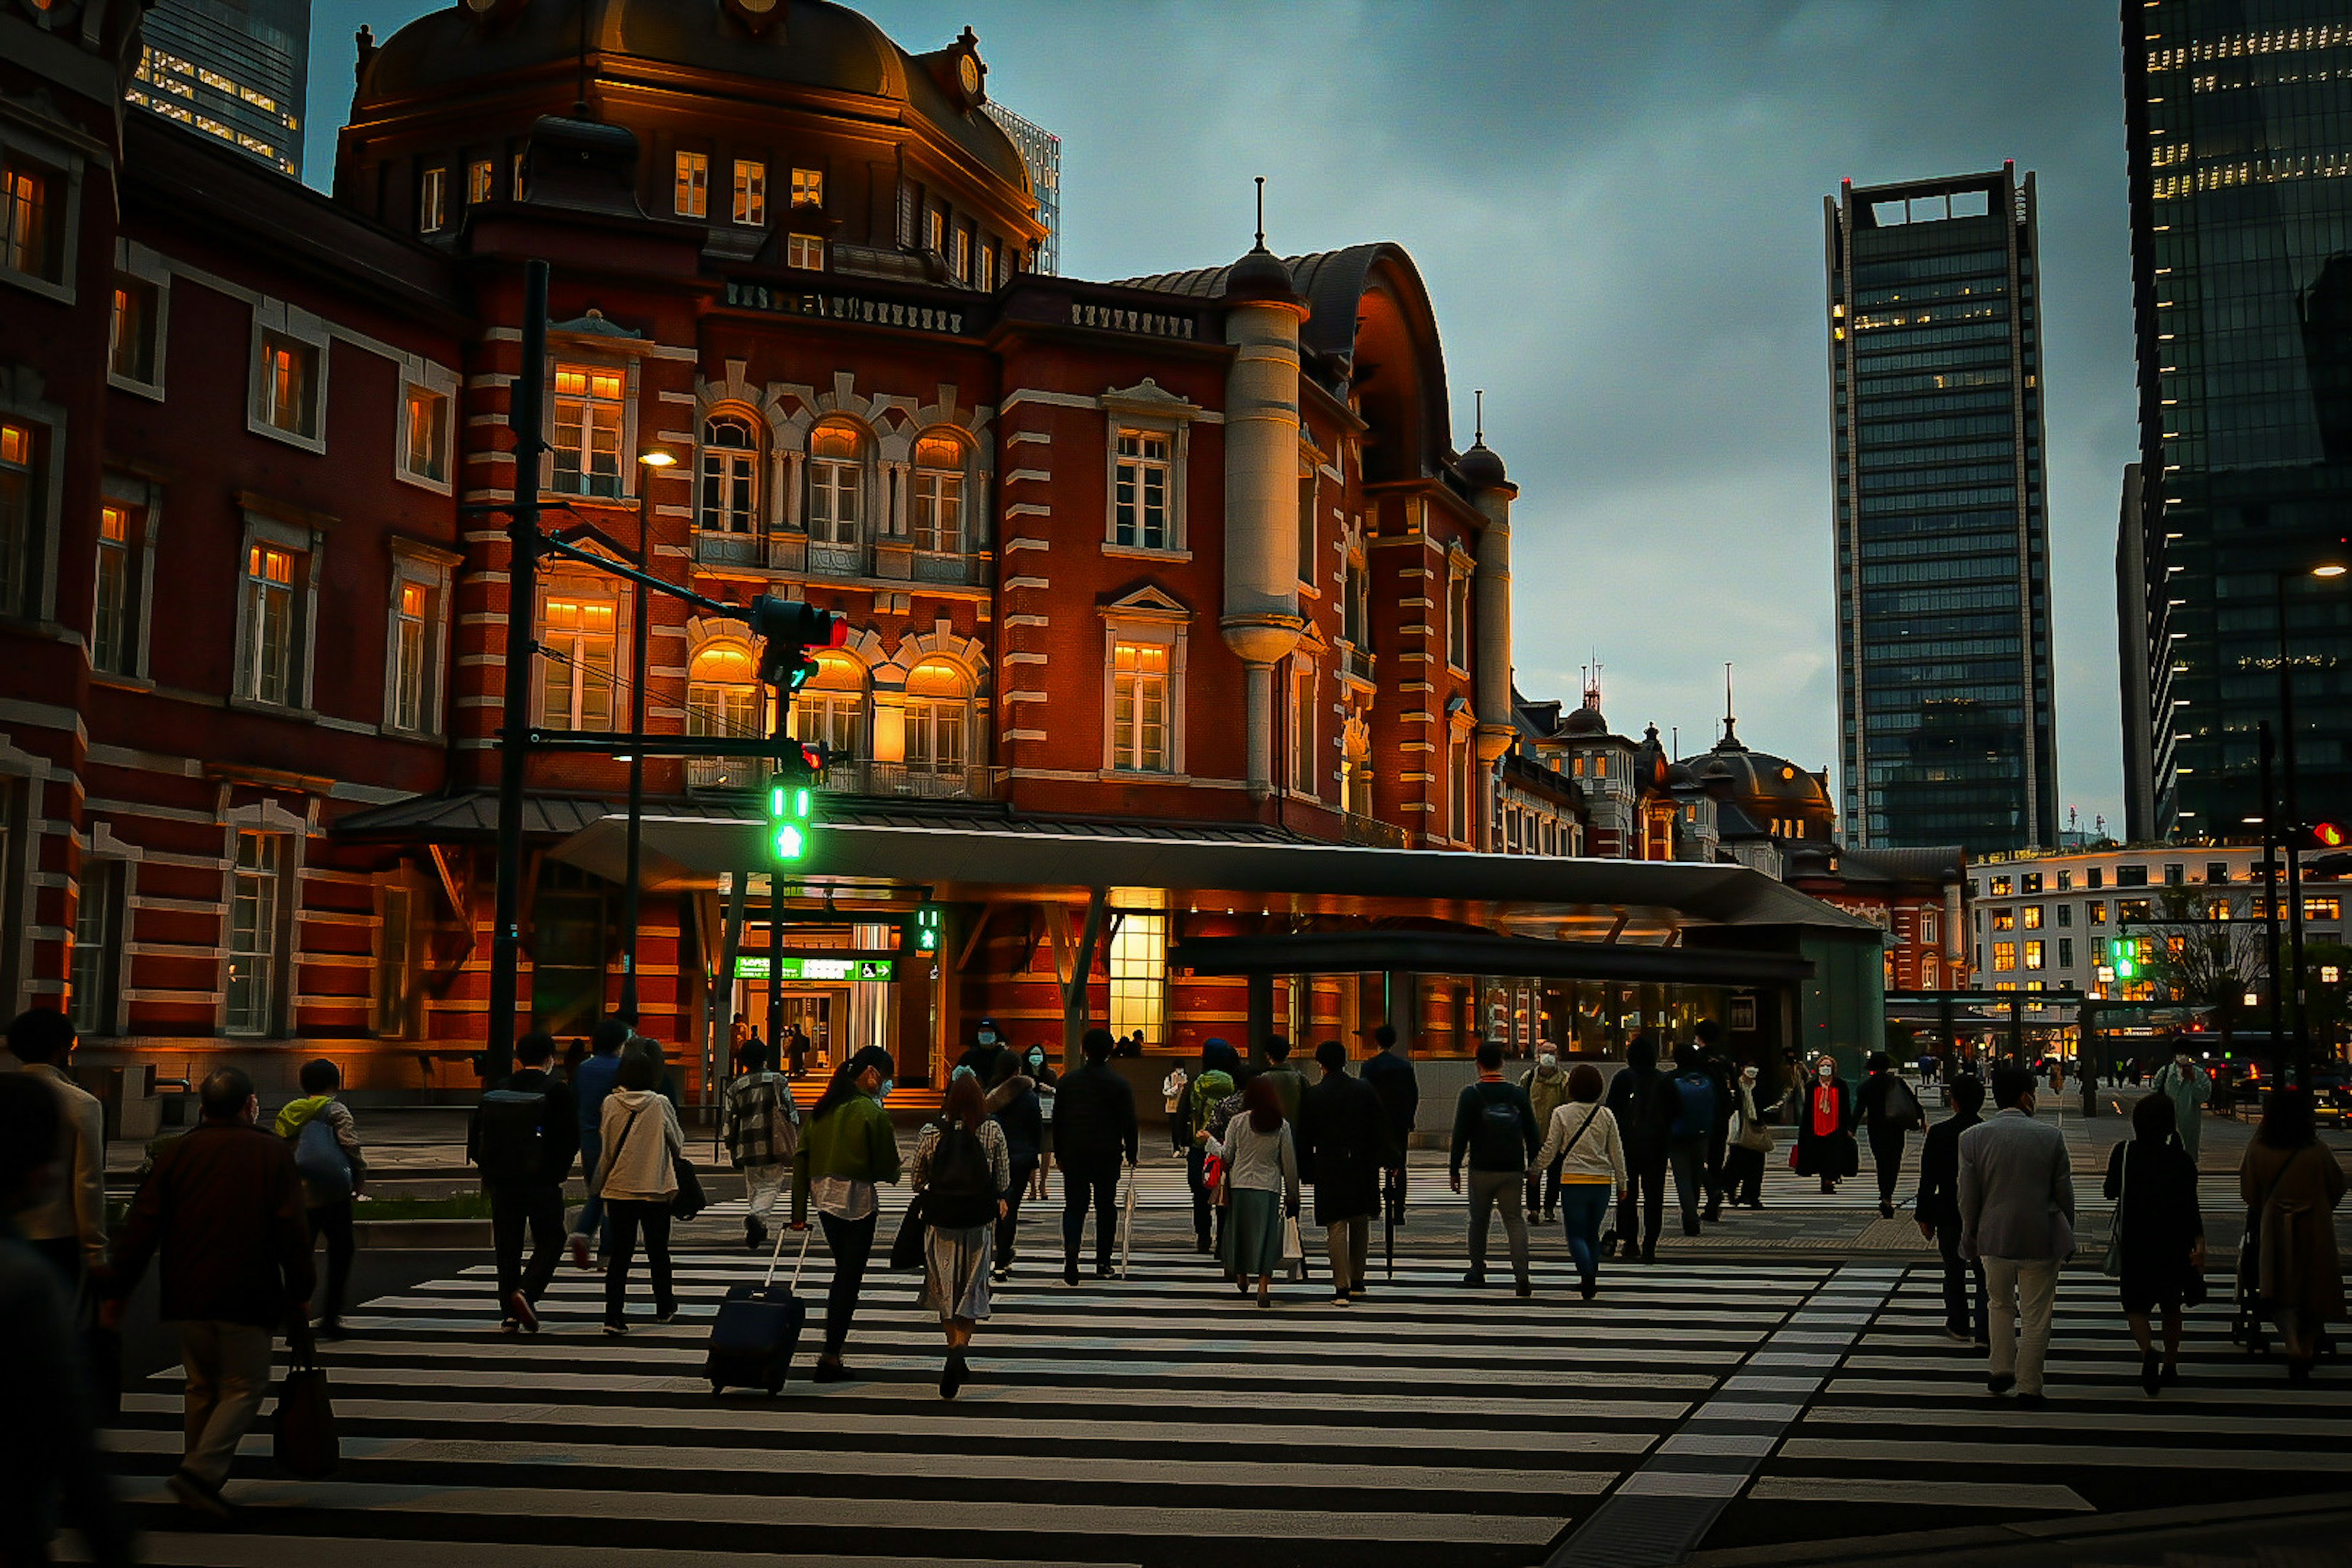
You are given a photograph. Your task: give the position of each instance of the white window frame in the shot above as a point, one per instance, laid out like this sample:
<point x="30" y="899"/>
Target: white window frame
<point x="1138" y="959"/>
<point x="118" y="560"/>
<point x="1457" y="620"/>
<point x="1167" y="627"/>
<point x="432" y="201"/>
<point x="732" y="469"/>
<point x="65" y="170"/>
<point x="422" y="375"/>
<point x="102" y="897"/>
<point x="1145" y="408"/>
<point x="750" y="179"/>
<point x="808" y="187"/>
<point x="986" y="280"/>
<point x="309" y="546"/>
<point x="860" y="467"/>
<point x="415" y="564"/>
<point x="805" y="251"/>
<point x="936" y="493"/>
<point x="144" y="501"/>
<point x="272" y="932"/>
<point x="28" y="560"/>
<point x="137" y="264"/>
<point x="624" y="479"/>
<point x="1305" y="696"/>
<point x="690" y="184"/>
<point x="933" y="718"/>
<point x="482" y="181"/>
<point x="585" y="588"/>
<point x="276" y="317"/>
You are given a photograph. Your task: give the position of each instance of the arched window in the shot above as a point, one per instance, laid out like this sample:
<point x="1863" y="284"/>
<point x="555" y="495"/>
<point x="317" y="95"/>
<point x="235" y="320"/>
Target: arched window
<point x="830" y="710"/>
<point x="939" y="494"/>
<point x="939" y="711"/>
<point x="730" y="475"/>
<point x="723" y="697"/>
<point x="836" y="475"/>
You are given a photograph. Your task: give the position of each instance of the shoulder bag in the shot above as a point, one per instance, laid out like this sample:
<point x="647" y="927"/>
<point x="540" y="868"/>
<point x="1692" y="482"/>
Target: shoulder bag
<point x="2113" y="1263"/>
<point x="305" y="1442"/>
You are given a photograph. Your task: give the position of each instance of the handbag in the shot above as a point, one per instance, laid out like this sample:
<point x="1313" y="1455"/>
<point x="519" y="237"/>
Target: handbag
<point x="1294" y="1251"/>
<point x="304" y="1441"/>
<point x="687" y="1200"/>
<point x="907" y="1247"/>
<point x="2113" y="1263"/>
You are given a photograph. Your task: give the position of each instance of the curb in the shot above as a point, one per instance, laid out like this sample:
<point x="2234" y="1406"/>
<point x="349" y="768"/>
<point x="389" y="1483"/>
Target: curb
<point x="1985" y="1543"/>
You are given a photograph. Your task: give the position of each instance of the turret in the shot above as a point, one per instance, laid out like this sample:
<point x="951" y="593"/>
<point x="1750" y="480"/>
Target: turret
<point x="1492" y="494"/>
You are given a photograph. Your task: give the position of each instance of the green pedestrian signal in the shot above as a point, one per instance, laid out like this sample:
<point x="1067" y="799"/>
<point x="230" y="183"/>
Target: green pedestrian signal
<point x="920" y="932"/>
<point x="2126" y="959"/>
<point x="788" y="822"/>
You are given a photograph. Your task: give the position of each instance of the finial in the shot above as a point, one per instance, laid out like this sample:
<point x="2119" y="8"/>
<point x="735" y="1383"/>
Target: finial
<point x="1478" y="435"/>
<point x="1727" y="710"/>
<point x="1261" y="212"/>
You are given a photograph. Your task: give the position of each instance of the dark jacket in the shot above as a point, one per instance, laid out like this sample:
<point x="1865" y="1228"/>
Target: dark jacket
<point x="2155" y="1188"/>
<point x="1094" y="1119"/>
<point x="590" y="1084"/>
<point x="1290" y="1084"/>
<point x="1471" y="1109"/>
<point x="1871" y="1107"/>
<point x="1344" y="1143"/>
<point x="1830" y="1155"/>
<point x="1013" y="1105"/>
<point x="559" y="1127"/>
<point x="1393" y="1079"/>
<point x="49" y="1463"/>
<point x="1641" y="1100"/>
<point x="1939" y="1171"/>
<point x="225" y="1206"/>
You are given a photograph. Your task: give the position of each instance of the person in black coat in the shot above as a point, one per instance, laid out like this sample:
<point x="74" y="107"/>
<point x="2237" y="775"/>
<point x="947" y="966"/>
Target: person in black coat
<point x="1013" y="1105"/>
<point x="1937" y="1211"/>
<point x="1643" y="1100"/>
<point x="1712" y="1061"/>
<point x="1094" y="1129"/>
<point x="1825" y="1119"/>
<point x="1345" y="1139"/>
<point x="2158" y="1231"/>
<point x="1390" y="1074"/>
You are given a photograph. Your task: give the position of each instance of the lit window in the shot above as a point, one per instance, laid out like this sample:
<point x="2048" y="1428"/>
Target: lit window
<point x="19" y="493"/>
<point x="579" y="652"/>
<point x="431" y="200"/>
<point x="2098" y="911"/>
<point x="269" y="625"/>
<point x="935" y="231"/>
<point x="28" y="218"/>
<point x="132" y="357"/>
<point x="2322" y="909"/>
<point x="835" y="464"/>
<point x="2033" y="956"/>
<point x="256" y="937"/>
<point x="2004" y="955"/>
<point x="805" y="251"/>
<point x="425" y="450"/>
<point x="750" y="193"/>
<point x="1457" y="622"/>
<point x="1138" y="974"/>
<point x="692" y="196"/>
<point x="962" y="262"/>
<point x="830" y="710"/>
<point x="412" y="652"/>
<point x="517" y="187"/>
<point x="288" y="385"/>
<point x="722" y="698"/>
<point x="808" y="187"/>
<point x="987" y="281"/>
<point x="1141" y="512"/>
<point x="481" y="180"/>
<point x="939" y="711"/>
<point x="588" y="430"/>
<point x="939" y="494"/>
<point x="2033" y="917"/>
<point x="730" y="481"/>
<point x="1139" y="707"/>
<point x="2000" y="887"/>
<point x="2004" y="920"/>
<point x="111" y="647"/>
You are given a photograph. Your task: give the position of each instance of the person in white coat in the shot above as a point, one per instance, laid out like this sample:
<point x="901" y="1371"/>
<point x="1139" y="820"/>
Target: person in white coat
<point x="636" y="1175"/>
<point x="69" y="1227"/>
<point x="1584" y="1139"/>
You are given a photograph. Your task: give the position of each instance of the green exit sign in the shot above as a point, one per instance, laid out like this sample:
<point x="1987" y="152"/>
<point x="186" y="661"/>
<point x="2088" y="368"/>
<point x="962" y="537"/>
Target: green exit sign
<point x="811" y="966"/>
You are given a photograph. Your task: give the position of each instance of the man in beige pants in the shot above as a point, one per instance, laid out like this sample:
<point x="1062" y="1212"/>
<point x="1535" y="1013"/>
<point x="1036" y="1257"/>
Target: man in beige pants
<point x="2017" y="1215"/>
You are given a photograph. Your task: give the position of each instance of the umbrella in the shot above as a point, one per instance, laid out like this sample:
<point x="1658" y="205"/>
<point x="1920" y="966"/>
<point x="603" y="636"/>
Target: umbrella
<point x="1392" y="1201"/>
<point x="1126" y="1225"/>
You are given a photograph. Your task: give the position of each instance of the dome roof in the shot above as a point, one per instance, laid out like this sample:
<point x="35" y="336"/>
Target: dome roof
<point x="1482" y="467"/>
<point x="1585" y="720"/>
<point x="1759" y="776"/>
<point x="1260" y="275"/>
<point x="811" y="44"/>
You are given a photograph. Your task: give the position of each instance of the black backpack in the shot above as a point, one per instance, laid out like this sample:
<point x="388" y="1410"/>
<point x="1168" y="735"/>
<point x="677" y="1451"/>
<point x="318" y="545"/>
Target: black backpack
<point x="961" y="1192"/>
<point x="510" y="1135"/>
<point x="1498" y="1140"/>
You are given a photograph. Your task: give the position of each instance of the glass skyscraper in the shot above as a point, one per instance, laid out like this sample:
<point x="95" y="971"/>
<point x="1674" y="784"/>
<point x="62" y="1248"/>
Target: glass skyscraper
<point x="2239" y="115"/>
<point x="1041" y="151"/>
<point x="232" y="68"/>
<point x="1935" y="340"/>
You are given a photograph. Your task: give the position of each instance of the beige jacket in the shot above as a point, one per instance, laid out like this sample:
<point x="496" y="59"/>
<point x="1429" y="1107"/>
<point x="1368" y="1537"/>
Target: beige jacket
<point x="81" y="1209"/>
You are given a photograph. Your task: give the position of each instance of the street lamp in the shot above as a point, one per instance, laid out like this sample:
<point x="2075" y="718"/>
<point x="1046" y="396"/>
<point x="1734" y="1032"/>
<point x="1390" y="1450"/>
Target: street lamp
<point x="653" y="461"/>
<point x="2292" y="831"/>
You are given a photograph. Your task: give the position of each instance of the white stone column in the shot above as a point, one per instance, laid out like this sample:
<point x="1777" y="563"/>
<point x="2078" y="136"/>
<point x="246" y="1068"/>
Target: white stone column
<point x="1260" y="618"/>
<point x="1490" y="589"/>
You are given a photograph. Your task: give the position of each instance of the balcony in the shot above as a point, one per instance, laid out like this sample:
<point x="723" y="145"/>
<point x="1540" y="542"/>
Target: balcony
<point x="1354" y="663"/>
<point x="1371" y="833"/>
<point x="865" y="780"/>
<point x="885" y="562"/>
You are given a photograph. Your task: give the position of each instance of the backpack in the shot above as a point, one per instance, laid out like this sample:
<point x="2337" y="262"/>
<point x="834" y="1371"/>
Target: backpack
<point x="1902" y="1106"/>
<point x="1499" y="1139"/>
<point x="319" y="1159"/>
<point x="1207" y="1091"/>
<point x="961" y="1192"/>
<point x="510" y="1135"/>
<point x="779" y="1139"/>
<point x="1695" y="1106"/>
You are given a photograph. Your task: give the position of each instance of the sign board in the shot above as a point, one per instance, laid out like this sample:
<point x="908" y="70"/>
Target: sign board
<point x="815" y="966"/>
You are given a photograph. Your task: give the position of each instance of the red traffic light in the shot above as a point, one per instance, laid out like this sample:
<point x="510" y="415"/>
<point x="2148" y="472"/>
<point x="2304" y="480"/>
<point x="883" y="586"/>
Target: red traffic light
<point x="789" y="628"/>
<point x="2327" y="836"/>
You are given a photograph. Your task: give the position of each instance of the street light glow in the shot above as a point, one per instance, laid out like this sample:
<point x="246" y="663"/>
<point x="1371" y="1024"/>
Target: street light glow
<point x="2332" y="569"/>
<point x="658" y="458"/>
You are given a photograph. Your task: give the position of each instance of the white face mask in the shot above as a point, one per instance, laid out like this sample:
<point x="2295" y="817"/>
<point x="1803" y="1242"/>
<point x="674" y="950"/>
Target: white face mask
<point x="1828" y="1071"/>
<point x="1037" y="1058"/>
<point x="1549" y="1059"/>
<point x="987" y="1037"/>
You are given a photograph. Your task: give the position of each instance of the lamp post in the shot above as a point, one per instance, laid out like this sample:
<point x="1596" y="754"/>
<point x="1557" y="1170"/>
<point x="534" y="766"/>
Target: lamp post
<point x="651" y="462"/>
<point x="2292" y="833"/>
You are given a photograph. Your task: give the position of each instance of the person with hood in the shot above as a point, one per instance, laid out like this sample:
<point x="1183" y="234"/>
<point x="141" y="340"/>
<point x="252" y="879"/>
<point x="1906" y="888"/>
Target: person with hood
<point x="987" y="1054"/>
<point x="965" y="1172"/>
<point x="1095" y="1130"/>
<point x="1013" y="1105"/>
<point x="2159" y="1236"/>
<point x="2186" y="1089"/>
<point x="2291" y="1182"/>
<point x="1546" y="1086"/>
<point x="1890" y="1110"/>
<point x="1261" y="1160"/>
<point x="1220" y="1067"/>
<point x="1642" y="1102"/>
<point x="636" y="1176"/>
<point x="592" y="1081"/>
<point x="846" y="1147"/>
<point x="1938" y="1210"/>
<point x="1344" y="1143"/>
<point x="1825" y="1116"/>
<point x="328" y="1206"/>
<point x="1585" y="1153"/>
<point x="1751" y="1146"/>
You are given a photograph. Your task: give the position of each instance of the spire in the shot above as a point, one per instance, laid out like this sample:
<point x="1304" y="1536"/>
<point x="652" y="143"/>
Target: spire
<point x="1261" y="214"/>
<point x="1478" y="434"/>
<point x="1729" y="738"/>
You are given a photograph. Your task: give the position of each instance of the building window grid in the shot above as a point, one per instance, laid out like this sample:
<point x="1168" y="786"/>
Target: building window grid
<point x="938" y="495"/>
<point x="836" y="463"/>
<point x="411" y="655"/>
<point x="112" y="647"/>
<point x="18" y="493"/>
<point x="690" y="195"/>
<point x="579" y="655"/>
<point x="132" y="350"/>
<point x="808" y="187"/>
<point x="431" y="200"/>
<point x="425" y="416"/>
<point x="750" y="193"/>
<point x="730" y="485"/>
<point x="95" y="952"/>
<point x="1139" y="689"/>
<point x="588" y="409"/>
<point x="482" y="181"/>
<point x="269" y="624"/>
<point x="1139" y="973"/>
<point x="395" y="933"/>
<point x="288" y="376"/>
<point x="1141" y="520"/>
<point x="805" y="251"/>
<point x="254" y="940"/>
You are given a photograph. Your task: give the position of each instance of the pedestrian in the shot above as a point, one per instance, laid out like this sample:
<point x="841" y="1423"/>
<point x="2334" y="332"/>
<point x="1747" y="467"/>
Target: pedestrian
<point x="68" y="1227"/>
<point x="1012" y="1103"/>
<point x="1495" y="1127"/>
<point x="1261" y="1173"/>
<point x="1546" y="1086"/>
<point x="1825" y="1116"/>
<point x="573" y="1055"/>
<point x="223" y="1205"/>
<point x="1890" y="1112"/>
<point x="1041" y="1072"/>
<point x="2186" y="1088"/>
<point x="1643" y="1103"/>
<point x="636" y="1175"/>
<point x="1693" y="1094"/>
<point x="2291" y="1182"/>
<point x="1218" y="1066"/>
<point x="796" y="1051"/>
<point x="1390" y="1072"/>
<point x="1094" y="1130"/>
<point x="49" y="1463"/>
<point x="1750" y="1144"/>
<point x="987" y="1053"/>
<point x="846" y="1150"/>
<point x="2157" y="1250"/>
<point x="333" y="1168"/>
<point x="1344" y="1144"/>
<point x="763" y="1129"/>
<point x="2017" y="1215"/>
<point x="523" y="1137"/>
<point x="964" y="1171"/>
<point x="1583" y="1147"/>
<point x="1937" y="1211"/>
<point x="740" y="1033"/>
<point x="1707" y="1036"/>
<point x="1172" y="1099"/>
<point x="1289" y="1081"/>
<point x="592" y="1081"/>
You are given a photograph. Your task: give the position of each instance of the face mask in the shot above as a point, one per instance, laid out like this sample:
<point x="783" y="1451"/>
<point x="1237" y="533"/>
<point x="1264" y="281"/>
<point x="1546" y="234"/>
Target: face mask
<point x="1037" y="1058"/>
<point x="882" y="1091"/>
<point x="987" y="1037"/>
<point x="1828" y="1071"/>
<point x="1547" y="1059"/>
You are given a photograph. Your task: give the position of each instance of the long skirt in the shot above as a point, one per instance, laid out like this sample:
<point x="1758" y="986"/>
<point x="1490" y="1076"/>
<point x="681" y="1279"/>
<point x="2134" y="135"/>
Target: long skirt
<point x="1254" y="1234"/>
<point x="955" y="1270"/>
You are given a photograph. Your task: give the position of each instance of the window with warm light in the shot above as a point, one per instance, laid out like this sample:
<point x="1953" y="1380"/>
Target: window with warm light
<point x="939" y="494"/>
<point x="808" y="187"/>
<point x="412" y="650"/>
<point x="830" y="710"/>
<point x="580" y="646"/>
<point x="431" y="200"/>
<point x="723" y="697"/>
<point x="2004" y="955"/>
<point x="481" y="180"/>
<point x="2033" y="917"/>
<point x="935" y="231"/>
<point x="289" y="373"/>
<point x="690" y="193"/>
<point x="2034" y="954"/>
<point x="425" y="421"/>
<point x="1140" y="516"/>
<point x="836" y="473"/>
<point x="19" y="508"/>
<point x="112" y="647"/>
<point x="588" y="421"/>
<point x="256" y="933"/>
<point x="750" y="193"/>
<point x="986" y="280"/>
<point x="961" y="265"/>
<point x="136" y="312"/>
<point x="1139" y="739"/>
<point x="939" y="715"/>
<point x="1139" y="973"/>
<point x="730" y="498"/>
<point x="28" y="217"/>
<point x="805" y="251"/>
<point x="2004" y="920"/>
<point x="269" y="624"/>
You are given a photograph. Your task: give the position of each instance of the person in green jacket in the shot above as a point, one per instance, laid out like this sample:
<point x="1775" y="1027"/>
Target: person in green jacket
<point x="1546" y="1086"/>
<point x="849" y="1147"/>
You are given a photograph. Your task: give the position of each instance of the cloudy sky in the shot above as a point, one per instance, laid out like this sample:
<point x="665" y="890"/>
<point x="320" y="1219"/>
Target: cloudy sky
<point x="1619" y="212"/>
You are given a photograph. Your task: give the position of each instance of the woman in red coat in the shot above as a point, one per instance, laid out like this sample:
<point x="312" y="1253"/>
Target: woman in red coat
<point x="1825" y="1119"/>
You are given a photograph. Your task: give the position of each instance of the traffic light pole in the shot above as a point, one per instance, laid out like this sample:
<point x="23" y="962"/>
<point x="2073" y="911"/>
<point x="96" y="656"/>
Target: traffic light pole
<point x="2292" y="837"/>
<point x="2270" y="951"/>
<point x="641" y="623"/>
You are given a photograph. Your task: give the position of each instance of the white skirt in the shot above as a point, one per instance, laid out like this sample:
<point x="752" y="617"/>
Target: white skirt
<point x="955" y="1270"/>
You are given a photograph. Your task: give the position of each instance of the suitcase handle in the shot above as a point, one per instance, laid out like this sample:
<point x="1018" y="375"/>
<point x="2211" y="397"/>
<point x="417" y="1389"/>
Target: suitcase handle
<point x="805" y="1234"/>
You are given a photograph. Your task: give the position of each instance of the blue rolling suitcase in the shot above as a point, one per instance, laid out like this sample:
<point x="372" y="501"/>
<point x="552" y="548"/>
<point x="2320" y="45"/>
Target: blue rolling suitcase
<point x="758" y="1328"/>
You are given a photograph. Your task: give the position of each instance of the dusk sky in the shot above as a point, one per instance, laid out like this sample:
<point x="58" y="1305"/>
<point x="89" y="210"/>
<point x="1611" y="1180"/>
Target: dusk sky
<point x="1618" y="209"/>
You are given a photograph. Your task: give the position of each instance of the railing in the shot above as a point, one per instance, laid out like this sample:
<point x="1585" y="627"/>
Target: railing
<point x="870" y="780"/>
<point x="883" y="560"/>
<point x="1354" y="663"/>
<point x="1371" y="833"/>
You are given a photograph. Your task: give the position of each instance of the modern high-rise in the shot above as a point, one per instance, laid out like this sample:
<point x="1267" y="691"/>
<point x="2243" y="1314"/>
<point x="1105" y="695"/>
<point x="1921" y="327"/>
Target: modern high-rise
<point x="232" y="68"/>
<point x="2239" y="132"/>
<point x="1041" y="151"/>
<point x="1945" y="726"/>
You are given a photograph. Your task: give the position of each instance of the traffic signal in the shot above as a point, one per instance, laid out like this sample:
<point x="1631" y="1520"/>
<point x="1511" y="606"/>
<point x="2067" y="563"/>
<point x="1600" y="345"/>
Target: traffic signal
<point x="788" y="628"/>
<point x="2126" y="959"/>
<point x="2319" y="836"/>
<point x="919" y="931"/>
<point x="789" y="823"/>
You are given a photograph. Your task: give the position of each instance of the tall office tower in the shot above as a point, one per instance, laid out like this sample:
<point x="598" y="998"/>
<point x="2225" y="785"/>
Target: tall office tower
<point x="232" y="69"/>
<point x="2144" y="646"/>
<point x="2239" y="117"/>
<point x="1943" y="561"/>
<point x="1041" y="151"/>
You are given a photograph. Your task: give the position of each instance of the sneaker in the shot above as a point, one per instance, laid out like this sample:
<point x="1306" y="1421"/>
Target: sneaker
<point x="615" y="1327"/>
<point x="2002" y="1382"/>
<point x="832" y="1371"/>
<point x="1070" y="1275"/>
<point x="1958" y="1336"/>
<point x="1475" y="1278"/>
<point x="199" y="1494"/>
<point x="579" y="1252"/>
<point x="519" y="1311"/>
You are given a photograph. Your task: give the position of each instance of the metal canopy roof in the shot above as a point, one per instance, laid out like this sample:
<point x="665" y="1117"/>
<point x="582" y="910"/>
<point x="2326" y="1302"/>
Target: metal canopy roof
<point x="1636" y="900"/>
<point x="1477" y="952"/>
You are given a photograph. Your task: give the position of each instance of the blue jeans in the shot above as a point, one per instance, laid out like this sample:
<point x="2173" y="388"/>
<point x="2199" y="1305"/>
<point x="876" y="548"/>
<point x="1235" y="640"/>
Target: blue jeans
<point x="1582" y="1207"/>
<point x="592" y="1212"/>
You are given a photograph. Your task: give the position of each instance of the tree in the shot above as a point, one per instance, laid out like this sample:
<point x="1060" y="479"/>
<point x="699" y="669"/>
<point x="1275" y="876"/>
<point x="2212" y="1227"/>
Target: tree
<point x="2329" y="1002"/>
<point x="2201" y="958"/>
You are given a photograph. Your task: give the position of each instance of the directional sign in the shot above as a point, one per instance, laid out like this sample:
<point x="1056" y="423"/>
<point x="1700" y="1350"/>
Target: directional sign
<point x="815" y="966"/>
